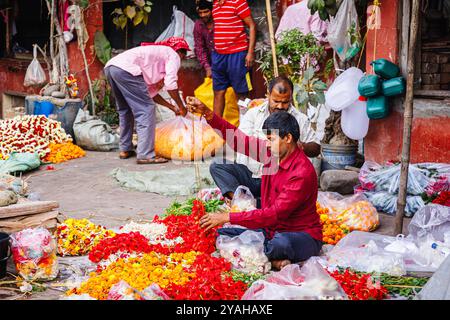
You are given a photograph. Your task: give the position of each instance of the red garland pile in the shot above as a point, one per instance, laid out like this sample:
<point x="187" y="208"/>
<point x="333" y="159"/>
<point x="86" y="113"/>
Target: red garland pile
<point x="359" y="287"/>
<point x="443" y="199"/>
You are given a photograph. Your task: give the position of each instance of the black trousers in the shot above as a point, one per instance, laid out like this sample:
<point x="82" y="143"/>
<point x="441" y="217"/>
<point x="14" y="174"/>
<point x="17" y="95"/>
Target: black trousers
<point x="228" y="176"/>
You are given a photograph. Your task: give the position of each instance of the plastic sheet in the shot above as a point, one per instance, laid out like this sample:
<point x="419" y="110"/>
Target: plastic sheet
<point x="34" y="254"/>
<point x="438" y="287"/>
<point x="311" y="282"/>
<point x="387" y="202"/>
<point x="355" y="212"/>
<point x="344" y="90"/>
<point x="243" y="200"/>
<point x="123" y="291"/>
<point x="245" y="252"/>
<point x="210" y="194"/>
<point x="186" y="138"/>
<point x="20" y="162"/>
<point x="354" y="120"/>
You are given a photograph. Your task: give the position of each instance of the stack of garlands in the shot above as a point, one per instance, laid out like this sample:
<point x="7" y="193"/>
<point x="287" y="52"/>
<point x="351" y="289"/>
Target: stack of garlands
<point x="61" y="152"/>
<point x="30" y="134"/>
<point x="77" y="237"/>
<point x="360" y="286"/>
<point x="183" y="270"/>
<point x="332" y="230"/>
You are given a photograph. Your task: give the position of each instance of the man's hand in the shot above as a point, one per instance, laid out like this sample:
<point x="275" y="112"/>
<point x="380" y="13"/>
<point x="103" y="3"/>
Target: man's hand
<point x="181" y="112"/>
<point x="211" y="220"/>
<point x="196" y="106"/>
<point x="249" y="59"/>
<point x="208" y="72"/>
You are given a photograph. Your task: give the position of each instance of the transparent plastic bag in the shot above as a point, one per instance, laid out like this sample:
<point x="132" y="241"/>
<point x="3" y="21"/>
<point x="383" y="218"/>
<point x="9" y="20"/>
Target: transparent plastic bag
<point x="311" y="282"/>
<point x="186" y="138"/>
<point x="343" y="31"/>
<point x="387" y="202"/>
<point x="355" y="212"/>
<point x="344" y="90"/>
<point x="243" y="200"/>
<point x="245" y="252"/>
<point x="354" y="120"/>
<point x="431" y="219"/>
<point x="35" y="75"/>
<point x="365" y="252"/>
<point x="210" y="194"/>
<point x="123" y="291"/>
<point x="34" y="254"/>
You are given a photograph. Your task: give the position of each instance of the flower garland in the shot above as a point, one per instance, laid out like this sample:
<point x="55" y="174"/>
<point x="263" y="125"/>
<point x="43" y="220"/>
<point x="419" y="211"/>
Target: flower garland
<point x="359" y="287"/>
<point x="61" y="152"/>
<point x="31" y="134"/>
<point x="78" y="237"/>
<point x="443" y="199"/>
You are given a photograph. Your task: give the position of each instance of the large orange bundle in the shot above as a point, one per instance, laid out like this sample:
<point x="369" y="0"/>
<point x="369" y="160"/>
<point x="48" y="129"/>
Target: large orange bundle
<point x="186" y="138"/>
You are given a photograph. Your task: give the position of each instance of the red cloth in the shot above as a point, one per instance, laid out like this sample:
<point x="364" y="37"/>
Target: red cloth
<point x="288" y="195"/>
<point x="176" y="43"/>
<point x="229" y="29"/>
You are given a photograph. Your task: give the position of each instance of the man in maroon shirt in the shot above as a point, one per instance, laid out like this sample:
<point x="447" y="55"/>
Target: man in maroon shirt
<point x="203" y="35"/>
<point x="288" y="217"/>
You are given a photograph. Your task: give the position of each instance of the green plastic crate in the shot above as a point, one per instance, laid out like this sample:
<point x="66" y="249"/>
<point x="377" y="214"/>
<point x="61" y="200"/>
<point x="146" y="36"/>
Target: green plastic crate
<point x="377" y="107"/>
<point x="385" y="69"/>
<point x="393" y="87"/>
<point x="369" y="85"/>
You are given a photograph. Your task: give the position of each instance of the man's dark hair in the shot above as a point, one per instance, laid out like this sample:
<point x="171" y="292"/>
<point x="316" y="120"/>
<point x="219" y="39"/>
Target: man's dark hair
<point x="281" y="82"/>
<point x="285" y="123"/>
<point x="204" y="4"/>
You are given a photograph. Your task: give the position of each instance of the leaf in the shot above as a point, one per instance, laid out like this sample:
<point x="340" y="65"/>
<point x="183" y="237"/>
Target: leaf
<point x="321" y="97"/>
<point x="130" y="12"/>
<point x="148" y="3"/>
<point x="116" y="21"/>
<point x="102" y="47"/>
<point x="138" y="18"/>
<point x="320" y="4"/>
<point x="302" y="97"/>
<point x="309" y="73"/>
<point x="319" y="86"/>
<point x="84" y="4"/>
<point x="147" y="9"/>
<point x="123" y="22"/>
<point x="145" y="19"/>
<point x="118" y="11"/>
<point x="313" y="100"/>
<point x="323" y="15"/>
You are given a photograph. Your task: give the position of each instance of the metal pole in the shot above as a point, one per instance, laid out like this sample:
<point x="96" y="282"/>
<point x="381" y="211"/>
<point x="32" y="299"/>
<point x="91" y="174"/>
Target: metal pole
<point x="272" y="38"/>
<point x="407" y="119"/>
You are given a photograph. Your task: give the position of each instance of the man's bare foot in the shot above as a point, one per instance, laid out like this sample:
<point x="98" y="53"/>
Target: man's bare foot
<point x="280" y="264"/>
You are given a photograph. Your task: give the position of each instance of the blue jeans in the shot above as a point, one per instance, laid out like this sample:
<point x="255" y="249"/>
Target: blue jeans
<point x="293" y="246"/>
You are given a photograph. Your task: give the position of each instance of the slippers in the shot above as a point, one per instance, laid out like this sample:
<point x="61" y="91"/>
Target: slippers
<point x="152" y="161"/>
<point x="127" y="154"/>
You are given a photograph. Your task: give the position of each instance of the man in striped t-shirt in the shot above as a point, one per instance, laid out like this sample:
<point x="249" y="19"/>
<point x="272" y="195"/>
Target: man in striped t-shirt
<point x="233" y="53"/>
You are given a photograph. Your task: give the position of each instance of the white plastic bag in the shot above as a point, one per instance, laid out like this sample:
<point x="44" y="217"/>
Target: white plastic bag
<point x="245" y="252"/>
<point x="243" y="200"/>
<point x="94" y="134"/>
<point x="180" y="26"/>
<point x="354" y="120"/>
<point x="344" y="90"/>
<point x="343" y="31"/>
<point x="311" y="282"/>
<point x="35" y="75"/>
<point x="432" y="219"/>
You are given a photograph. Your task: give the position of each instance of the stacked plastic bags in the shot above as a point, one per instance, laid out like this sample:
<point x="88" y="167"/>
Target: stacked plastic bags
<point x="380" y="184"/>
<point x="186" y="138"/>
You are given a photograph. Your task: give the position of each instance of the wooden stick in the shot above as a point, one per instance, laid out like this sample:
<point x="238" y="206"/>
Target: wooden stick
<point x="272" y="38"/>
<point x="407" y="120"/>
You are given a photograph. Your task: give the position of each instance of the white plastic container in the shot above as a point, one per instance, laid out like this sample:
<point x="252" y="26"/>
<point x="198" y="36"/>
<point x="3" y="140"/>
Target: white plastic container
<point x="354" y="120"/>
<point x="344" y="90"/>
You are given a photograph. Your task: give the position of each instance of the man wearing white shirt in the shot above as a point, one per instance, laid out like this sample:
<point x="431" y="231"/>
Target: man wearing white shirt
<point x="245" y="171"/>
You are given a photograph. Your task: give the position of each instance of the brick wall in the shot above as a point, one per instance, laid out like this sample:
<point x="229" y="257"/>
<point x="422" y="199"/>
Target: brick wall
<point x="435" y="72"/>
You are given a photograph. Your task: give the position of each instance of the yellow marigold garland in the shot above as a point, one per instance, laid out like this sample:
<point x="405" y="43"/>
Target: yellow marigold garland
<point x="63" y="152"/>
<point x="140" y="273"/>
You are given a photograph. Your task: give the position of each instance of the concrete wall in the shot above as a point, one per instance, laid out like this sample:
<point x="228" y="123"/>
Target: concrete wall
<point x="430" y="140"/>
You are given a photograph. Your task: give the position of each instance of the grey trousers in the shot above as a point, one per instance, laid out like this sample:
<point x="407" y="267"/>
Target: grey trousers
<point x="228" y="176"/>
<point x="133" y="104"/>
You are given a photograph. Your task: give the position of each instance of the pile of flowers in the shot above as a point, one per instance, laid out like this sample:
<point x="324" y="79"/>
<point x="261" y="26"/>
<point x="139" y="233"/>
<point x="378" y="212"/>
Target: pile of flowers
<point x="78" y="237"/>
<point x="359" y="286"/>
<point x="332" y="231"/>
<point x="182" y="269"/>
<point x="61" y="152"/>
<point x="154" y="232"/>
<point x="443" y="199"/>
<point x="30" y="134"/>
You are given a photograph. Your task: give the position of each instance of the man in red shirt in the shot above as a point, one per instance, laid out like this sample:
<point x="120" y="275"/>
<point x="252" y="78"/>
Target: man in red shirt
<point x="233" y="53"/>
<point x="288" y="217"/>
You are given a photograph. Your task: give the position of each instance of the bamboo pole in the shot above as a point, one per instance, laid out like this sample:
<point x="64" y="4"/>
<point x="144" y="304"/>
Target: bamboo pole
<point x="407" y="119"/>
<point x="272" y="38"/>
